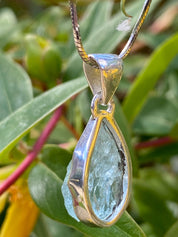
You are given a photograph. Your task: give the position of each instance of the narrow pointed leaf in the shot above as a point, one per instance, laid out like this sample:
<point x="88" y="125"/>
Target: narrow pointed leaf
<point x="97" y="14"/>
<point x="15" y="126"/>
<point x="149" y="76"/>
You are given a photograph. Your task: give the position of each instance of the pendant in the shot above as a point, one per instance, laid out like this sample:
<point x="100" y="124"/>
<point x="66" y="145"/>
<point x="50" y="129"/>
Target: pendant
<point x="96" y="189"/>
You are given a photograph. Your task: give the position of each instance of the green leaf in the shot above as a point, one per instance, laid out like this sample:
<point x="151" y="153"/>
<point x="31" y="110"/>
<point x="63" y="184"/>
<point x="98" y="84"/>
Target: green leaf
<point x="148" y="230"/>
<point x="8" y="23"/>
<point x="51" y="23"/>
<point x="172" y="93"/>
<point x="126" y="130"/>
<point x="132" y="66"/>
<point x="97" y="14"/>
<point x="41" y="228"/>
<point x="15" y="87"/>
<point x="52" y="61"/>
<point x="15" y="126"/>
<point x="159" y="155"/>
<point x="60" y="134"/>
<point x="84" y="104"/>
<point x="3" y="200"/>
<point x="43" y="60"/>
<point x="7" y="20"/>
<point x="174" y="131"/>
<point x="172" y="232"/>
<point x="45" y="189"/>
<point x="52" y="155"/>
<point x="157" y="117"/>
<point x="152" y="193"/>
<point x="162" y="181"/>
<point x="149" y="76"/>
<point x="6" y="171"/>
<point x="47" y="227"/>
<point x="169" y="84"/>
<point x="35" y="46"/>
<point x="107" y="39"/>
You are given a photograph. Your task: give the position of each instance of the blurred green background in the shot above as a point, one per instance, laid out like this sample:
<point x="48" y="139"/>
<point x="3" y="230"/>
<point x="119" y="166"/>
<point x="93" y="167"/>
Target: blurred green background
<point x="37" y="35"/>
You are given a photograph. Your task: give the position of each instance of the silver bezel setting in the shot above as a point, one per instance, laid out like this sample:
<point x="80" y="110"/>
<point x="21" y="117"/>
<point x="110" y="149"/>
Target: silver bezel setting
<point x="78" y="180"/>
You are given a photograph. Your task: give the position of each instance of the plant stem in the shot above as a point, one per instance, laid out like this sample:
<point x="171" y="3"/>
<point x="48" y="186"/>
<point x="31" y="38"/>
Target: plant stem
<point x="70" y="127"/>
<point x="154" y="143"/>
<point x="33" y="154"/>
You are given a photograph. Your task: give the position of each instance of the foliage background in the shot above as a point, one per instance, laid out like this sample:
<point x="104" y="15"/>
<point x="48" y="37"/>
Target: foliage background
<point x="40" y="70"/>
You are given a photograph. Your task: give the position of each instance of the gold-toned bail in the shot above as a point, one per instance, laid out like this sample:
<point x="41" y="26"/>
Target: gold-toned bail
<point x="104" y="79"/>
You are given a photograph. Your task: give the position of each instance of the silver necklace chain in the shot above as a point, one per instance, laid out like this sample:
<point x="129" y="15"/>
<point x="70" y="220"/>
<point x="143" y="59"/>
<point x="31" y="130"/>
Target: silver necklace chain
<point x="126" y="50"/>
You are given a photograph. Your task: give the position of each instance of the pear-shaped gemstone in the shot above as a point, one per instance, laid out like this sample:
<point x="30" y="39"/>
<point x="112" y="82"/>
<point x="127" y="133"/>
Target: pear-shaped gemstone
<point x="107" y="173"/>
<point x="99" y="175"/>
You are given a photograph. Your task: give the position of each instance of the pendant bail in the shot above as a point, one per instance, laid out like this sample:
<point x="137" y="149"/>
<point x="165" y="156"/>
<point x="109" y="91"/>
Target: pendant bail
<point x="104" y="79"/>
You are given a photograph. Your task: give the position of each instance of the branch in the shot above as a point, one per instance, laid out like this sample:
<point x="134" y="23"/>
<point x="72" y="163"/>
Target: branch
<point x="154" y="143"/>
<point x="70" y="127"/>
<point x="33" y="154"/>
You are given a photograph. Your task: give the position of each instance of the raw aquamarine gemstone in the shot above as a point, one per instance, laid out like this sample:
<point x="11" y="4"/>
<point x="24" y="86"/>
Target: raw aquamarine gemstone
<point x="67" y="194"/>
<point x="107" y="169"/>
<point x="108" y="173"/>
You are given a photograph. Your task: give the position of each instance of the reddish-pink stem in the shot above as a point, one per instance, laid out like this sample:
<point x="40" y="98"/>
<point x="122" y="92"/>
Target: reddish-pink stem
<point x="154" y="143"/>
<point x="33" y="154"/>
